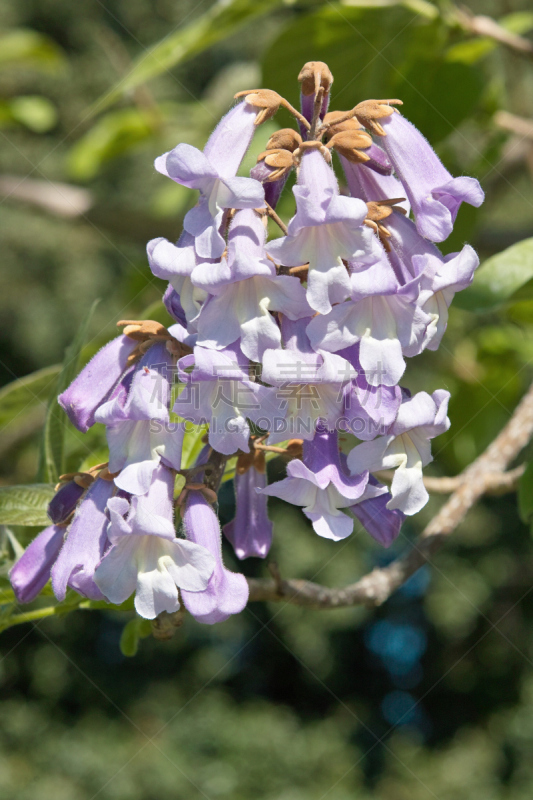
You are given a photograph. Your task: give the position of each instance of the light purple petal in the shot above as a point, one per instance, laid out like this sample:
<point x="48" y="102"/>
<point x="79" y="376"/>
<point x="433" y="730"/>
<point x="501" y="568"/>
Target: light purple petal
<point x="95" y="382"/>
<point x="434" y="195"/>
<point x="85" y="544"/>
<point x="227" y="592"/>
<point x="190" y="167"/>
<point x="32" y="570"/>
<point x="250" y="532"/>
<point x="231" y="138"/>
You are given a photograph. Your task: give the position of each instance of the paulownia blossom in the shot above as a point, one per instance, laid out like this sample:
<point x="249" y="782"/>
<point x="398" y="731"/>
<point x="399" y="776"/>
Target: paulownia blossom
<point x="327" y="227"/>
<point x="407" y="448"/>
<point x="320" y="485"/>
<point x="434" y="195"/>
<point x="213" y="173"/>
<point x="145" y="557"/>
<point x="301" y="336"/>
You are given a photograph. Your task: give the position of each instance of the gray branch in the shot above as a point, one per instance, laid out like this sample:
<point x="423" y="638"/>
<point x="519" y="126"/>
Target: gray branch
<point x="376" y="587"/>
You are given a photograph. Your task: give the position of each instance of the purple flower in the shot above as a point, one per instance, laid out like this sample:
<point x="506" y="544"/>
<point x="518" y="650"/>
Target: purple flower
<point x="175" y="263"/>
<point x="227" y="592"/>
<point x="309" y="388"/>
<point x="32" y="570"/>
<point x="213" y="173"/>
<point x="382" y="316"/>
<point x="246" y="289"/>
<point x="368" y="410"/>
<point x="85" y="544"/>
<point x="406" y="447"/>
<point x="325" y="229"/>
<point x="369" y="185"/>
<point x="319" y="484"/>
<point x="440" y="277"/>
<point x="250" y="532"/>
<point x="64" y="502"/>
<point x="95" y="382"/>
<point x="435" y="196"/>
<point x="382" y="523"/>
<point x="146" y="557"/>
<point x="273" y="189"/>
<point x="219" y="391"/>
<point x="139" y="433"/>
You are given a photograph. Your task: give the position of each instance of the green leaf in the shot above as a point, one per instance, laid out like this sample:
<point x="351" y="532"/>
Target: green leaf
<point x="25" y="505"/>
<point x="499" y="278"/>
<point x="525" y="494"/>
<point x="438" y="95"/>
<point x="26" y="48"/>
<point x="225" y="18"/>
<point x="23" y="402"/>
<point x="51" y="460"/>
<point x="34" y="112"/>
<point x="111" y="136"/>
<point x="135" y="629"/>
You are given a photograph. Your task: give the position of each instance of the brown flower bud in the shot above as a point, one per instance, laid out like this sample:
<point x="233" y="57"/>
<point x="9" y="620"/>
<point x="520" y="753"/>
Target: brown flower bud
<point x="369" y="111"/>
<point x="350" y="143"/>
<point x="284" y="139"/>
<point x="345" y="124"/>
<point x="313" y="145"/>
<point x="266" y="100"/>
<point x="295" y="448"/>
<point x="379" y="210"/>
<point x="281" y="161"/>
<point x="313" y="75"/>
<point x="143" y="329"/>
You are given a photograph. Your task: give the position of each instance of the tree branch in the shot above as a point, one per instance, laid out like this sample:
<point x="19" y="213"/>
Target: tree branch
<point x="376" y="587"/>
<point x="496" y="483"/>
<point x="486" y="26"/>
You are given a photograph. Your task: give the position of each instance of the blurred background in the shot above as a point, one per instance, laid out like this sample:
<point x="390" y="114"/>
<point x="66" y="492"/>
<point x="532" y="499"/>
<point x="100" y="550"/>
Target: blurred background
<point x="430" y="696"/>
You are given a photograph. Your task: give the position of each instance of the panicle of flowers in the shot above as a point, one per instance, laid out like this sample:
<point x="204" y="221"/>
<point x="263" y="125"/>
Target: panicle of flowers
<point x="285" y="347"/>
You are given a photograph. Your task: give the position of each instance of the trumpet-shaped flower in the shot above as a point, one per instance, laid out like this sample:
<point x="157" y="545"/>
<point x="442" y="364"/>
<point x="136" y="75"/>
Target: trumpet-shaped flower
<point x="213" y="173"/>
<point x="227" y="592"/>
<point x="250" y="532"/>
<point x="406" y="447"/>
<point x="435" y="196"/>
<point x="245" y="289"/>
<point x="382" y="316"/>
<point x="139" y="432"/>
<point x="31" y="572"/>
<point x="95" y="382"/>
<point x="146" y="558"/>
<point x="319" y="484"/>
<point x="85" y="544"/>
<point x="326" y="229"/>
<point x="219" y="391"/>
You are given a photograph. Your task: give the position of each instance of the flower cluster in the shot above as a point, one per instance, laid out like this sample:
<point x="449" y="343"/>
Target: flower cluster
<point x="279" y="346"/>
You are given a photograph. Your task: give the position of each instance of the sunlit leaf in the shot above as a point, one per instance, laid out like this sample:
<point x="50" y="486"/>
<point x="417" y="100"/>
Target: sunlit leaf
<point x="23" y="403"/>
<point x="25" y="505"/>
<point x="35" y="112"/>
<point x="222" y="20"/>
<point x="26" y="48"/>
<point x="499" y="278"/>
<point x="51" y="460"/>
<point x="111" y="136"/>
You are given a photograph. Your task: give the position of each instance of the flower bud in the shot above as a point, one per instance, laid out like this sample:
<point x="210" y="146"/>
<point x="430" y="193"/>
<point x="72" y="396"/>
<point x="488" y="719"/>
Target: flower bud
<point x="313" y="75"/>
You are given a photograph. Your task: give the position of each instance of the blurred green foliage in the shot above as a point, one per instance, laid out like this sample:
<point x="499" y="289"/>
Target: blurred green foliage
<point x="430" y="695"/>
